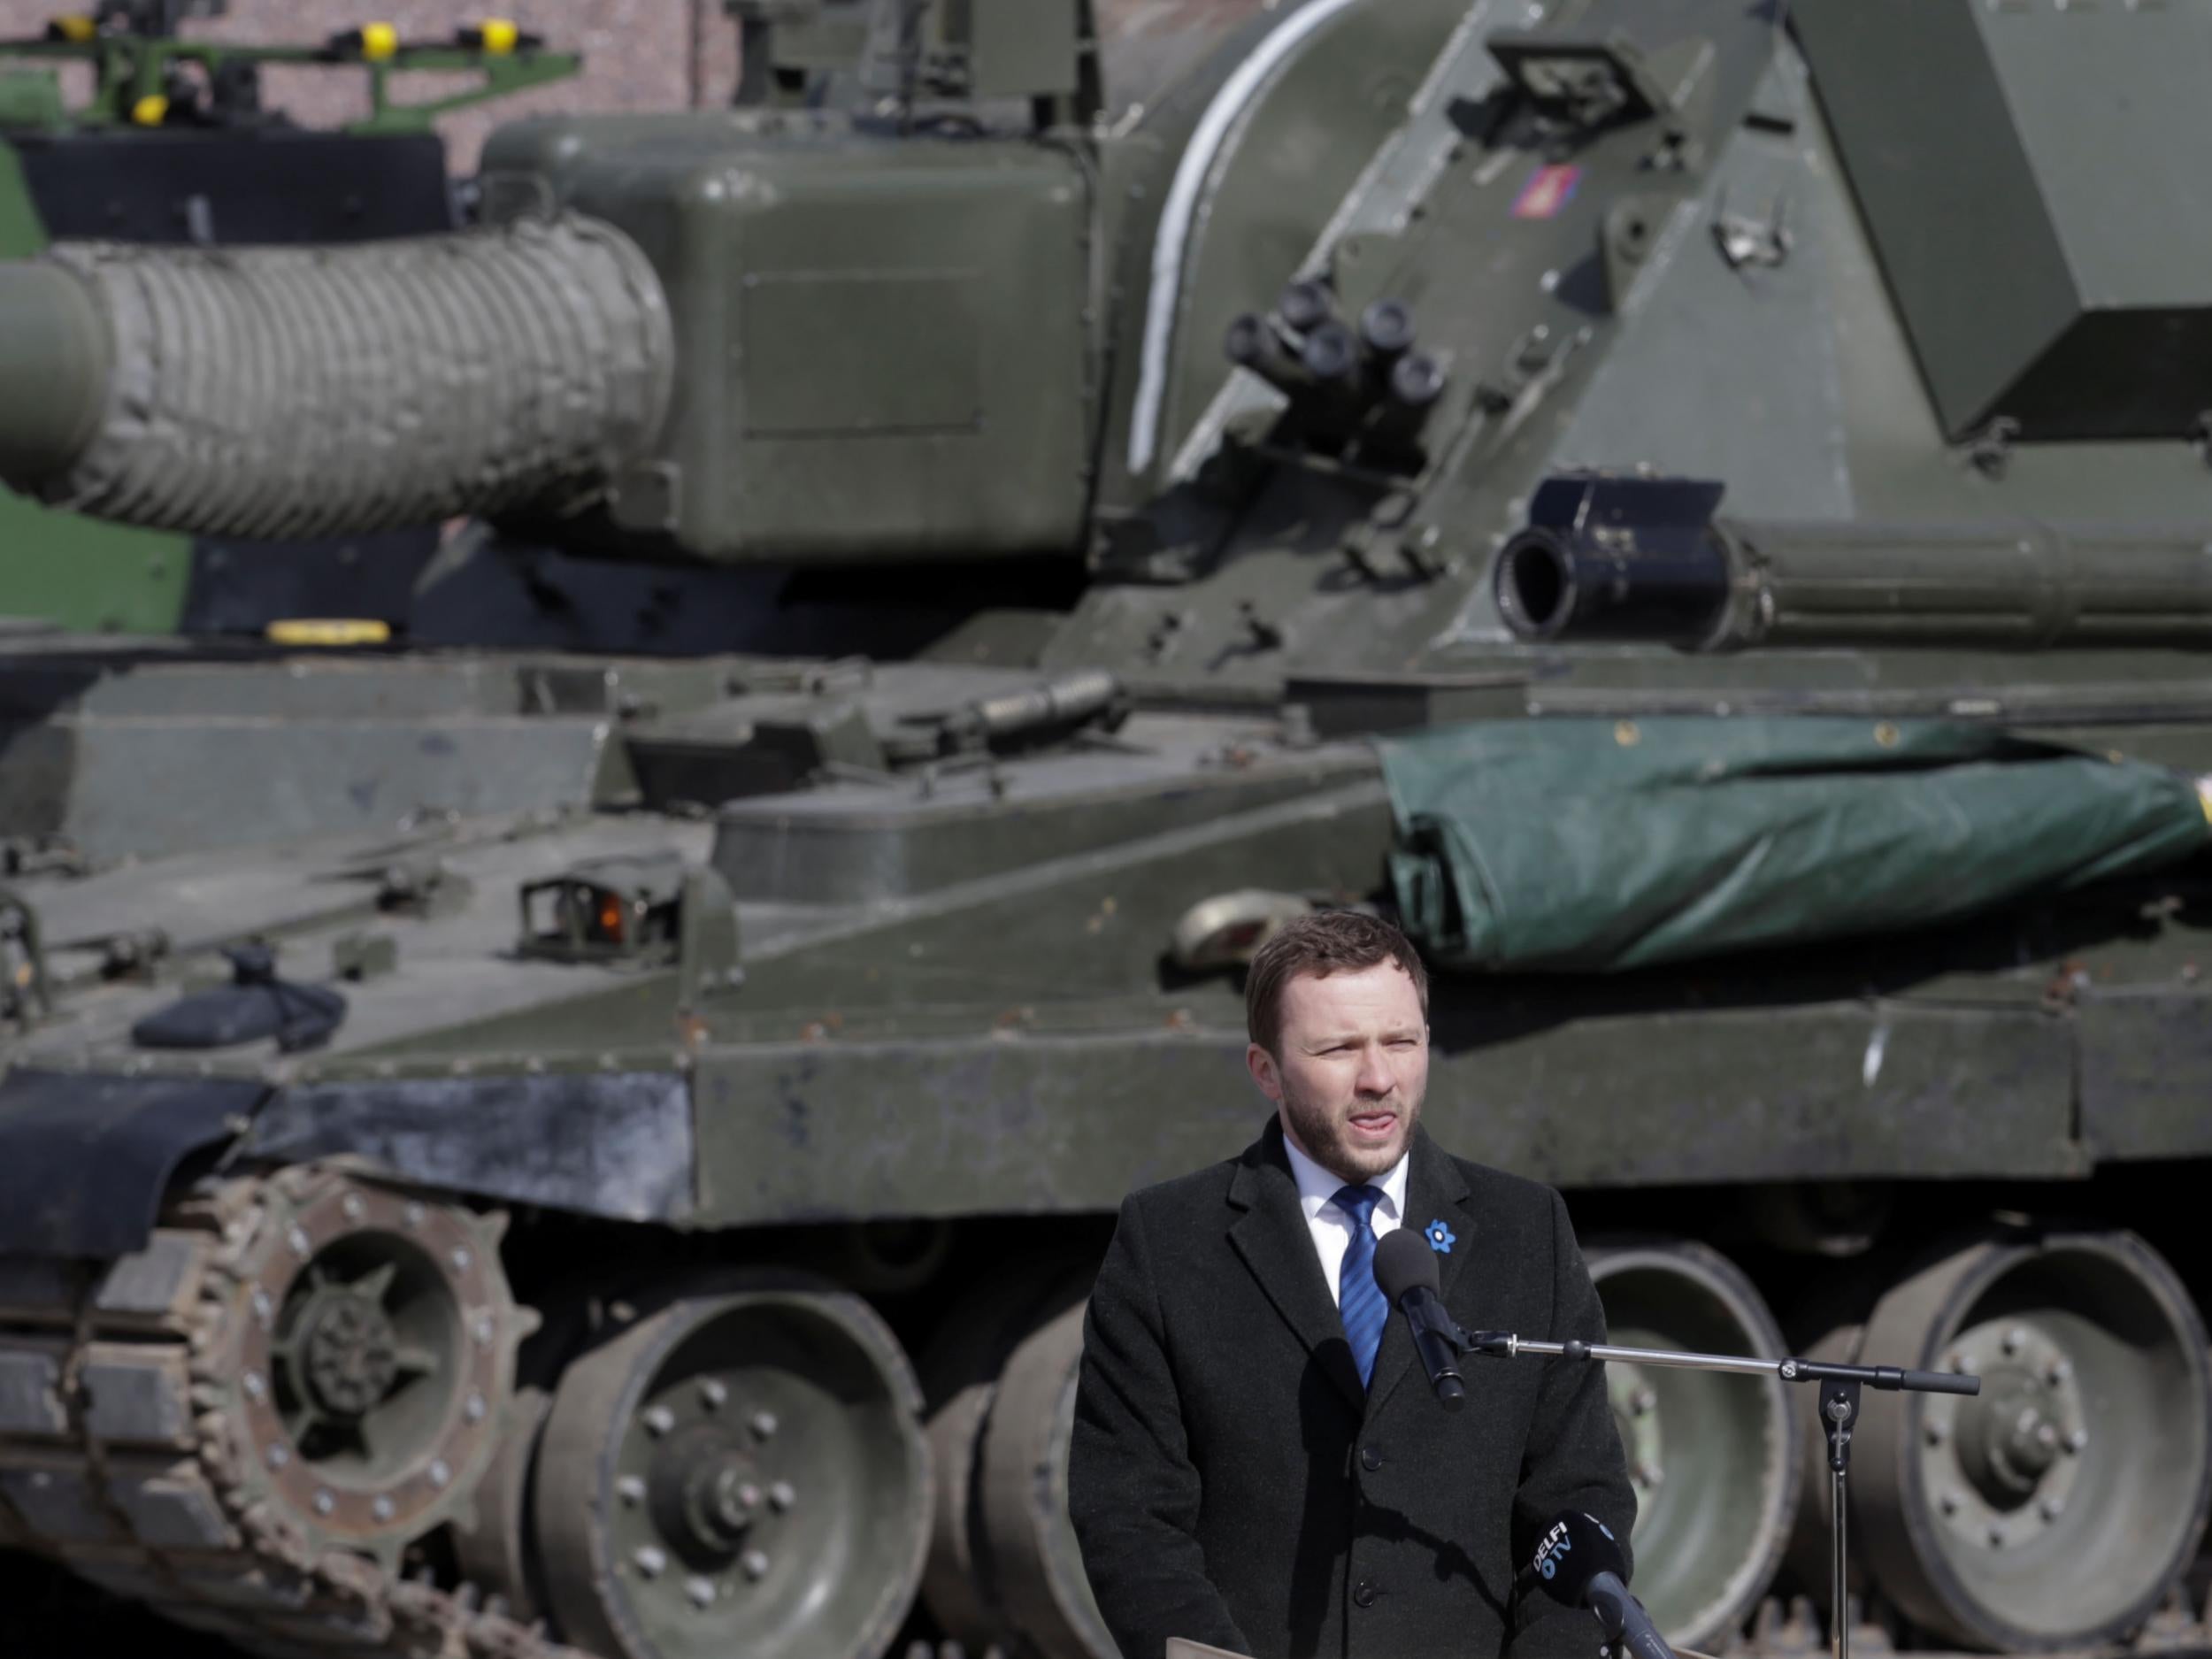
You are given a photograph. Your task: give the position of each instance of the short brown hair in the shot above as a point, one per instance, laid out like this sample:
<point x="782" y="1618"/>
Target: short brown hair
<point x="1326" y="943"/>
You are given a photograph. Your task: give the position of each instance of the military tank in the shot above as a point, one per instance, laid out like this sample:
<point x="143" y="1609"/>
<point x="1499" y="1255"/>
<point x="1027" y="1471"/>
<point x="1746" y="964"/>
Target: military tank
<point x="587" y="1121"/>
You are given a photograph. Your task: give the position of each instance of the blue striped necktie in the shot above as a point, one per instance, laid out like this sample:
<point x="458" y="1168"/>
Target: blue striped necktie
<point x="1359" y="1300"/>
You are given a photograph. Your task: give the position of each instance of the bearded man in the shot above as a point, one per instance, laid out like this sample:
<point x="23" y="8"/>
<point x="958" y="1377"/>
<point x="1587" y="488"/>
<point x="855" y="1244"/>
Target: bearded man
<point x="1258" y="1463"/>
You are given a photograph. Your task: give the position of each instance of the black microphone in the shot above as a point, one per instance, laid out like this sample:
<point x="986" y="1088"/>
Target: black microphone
<point x="1579" y="1563"/>
<point x="1405" y="1272"/>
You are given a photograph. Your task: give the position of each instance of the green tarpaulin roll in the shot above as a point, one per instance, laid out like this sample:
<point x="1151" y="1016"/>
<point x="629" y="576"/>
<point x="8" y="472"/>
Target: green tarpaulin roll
<point x="1593" y="845"/>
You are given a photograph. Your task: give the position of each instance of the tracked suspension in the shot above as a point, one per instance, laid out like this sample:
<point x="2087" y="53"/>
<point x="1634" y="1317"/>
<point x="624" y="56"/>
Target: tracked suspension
<point x="197" y="1426"/>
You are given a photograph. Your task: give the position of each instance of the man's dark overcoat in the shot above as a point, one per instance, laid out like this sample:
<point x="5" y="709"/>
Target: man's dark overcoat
<point x="1231" y="1481"/>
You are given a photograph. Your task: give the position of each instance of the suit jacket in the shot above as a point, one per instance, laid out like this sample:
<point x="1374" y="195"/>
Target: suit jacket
<point x="1231" y="1481"/>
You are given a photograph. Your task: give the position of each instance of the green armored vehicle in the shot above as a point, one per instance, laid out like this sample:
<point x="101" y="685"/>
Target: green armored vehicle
<point x="588" y="1121"/>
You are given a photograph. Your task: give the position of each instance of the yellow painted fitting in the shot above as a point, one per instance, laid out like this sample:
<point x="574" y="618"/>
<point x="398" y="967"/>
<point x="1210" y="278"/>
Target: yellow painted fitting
<point x="379" y="40"/>
<point x="499" y="36"/>
<point x="75" y="27"/>
<point x="329" y="631"/>
<point x="149" y="110"/>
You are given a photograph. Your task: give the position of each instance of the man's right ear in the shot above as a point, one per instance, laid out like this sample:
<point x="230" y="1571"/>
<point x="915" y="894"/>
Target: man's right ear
<point x="1261" y="1064"/>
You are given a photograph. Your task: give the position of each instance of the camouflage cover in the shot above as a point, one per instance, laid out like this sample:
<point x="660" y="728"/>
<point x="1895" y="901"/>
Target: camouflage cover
<point x="1597" y="845"/>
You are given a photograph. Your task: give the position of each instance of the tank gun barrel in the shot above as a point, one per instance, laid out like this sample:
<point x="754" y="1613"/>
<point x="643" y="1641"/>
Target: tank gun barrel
<point x="281" y="393"/>
<point x="1649" y="560"/>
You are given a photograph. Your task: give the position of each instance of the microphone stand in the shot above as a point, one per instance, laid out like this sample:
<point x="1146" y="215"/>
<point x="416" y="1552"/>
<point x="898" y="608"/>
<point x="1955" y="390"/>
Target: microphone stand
<point x="1839" y="1387"/>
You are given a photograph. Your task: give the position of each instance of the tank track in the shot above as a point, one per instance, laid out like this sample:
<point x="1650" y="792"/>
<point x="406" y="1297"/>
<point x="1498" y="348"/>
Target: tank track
<point x="135" y="1475"/>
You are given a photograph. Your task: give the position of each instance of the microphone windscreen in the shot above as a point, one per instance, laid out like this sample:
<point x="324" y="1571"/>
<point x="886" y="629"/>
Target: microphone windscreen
<point x="1403" y="1261"/>
<point x="1575" y="1548"/>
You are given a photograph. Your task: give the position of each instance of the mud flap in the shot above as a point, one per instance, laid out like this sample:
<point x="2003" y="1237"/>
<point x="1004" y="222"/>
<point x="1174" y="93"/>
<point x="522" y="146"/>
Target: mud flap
<point x="85" y="1160"/>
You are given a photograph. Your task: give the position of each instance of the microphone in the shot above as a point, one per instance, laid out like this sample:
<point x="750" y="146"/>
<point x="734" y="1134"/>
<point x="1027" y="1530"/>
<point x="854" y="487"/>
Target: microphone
<point x="1579" y="1564"/>
<point x="1405" y="1272"/>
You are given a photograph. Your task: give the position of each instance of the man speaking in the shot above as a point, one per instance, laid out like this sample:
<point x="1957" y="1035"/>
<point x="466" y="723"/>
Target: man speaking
<point x="1258" y="1461"/>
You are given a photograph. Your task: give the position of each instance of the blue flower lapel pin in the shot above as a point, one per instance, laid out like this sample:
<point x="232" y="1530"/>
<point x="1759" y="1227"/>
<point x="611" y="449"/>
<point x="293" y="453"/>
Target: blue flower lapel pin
<point x="1441" y="1238"/>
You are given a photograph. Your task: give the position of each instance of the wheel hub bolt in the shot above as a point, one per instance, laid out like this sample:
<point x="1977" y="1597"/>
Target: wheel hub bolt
<point x="1996" y="1535"/>
<point x="1949" y="1501"/>
<point x="781" y="1497"/>
<point x="701" y="1591"/>
<point x="2058" y="1371"/>
<point x="650" y="1560"/>
<point x="2050" y="1508"/>
<point x="715" y="1392"/>
<point x="630" y="1489"/>
<point x="658" y="1420"/>
<point x="2078" y="1441"/>
<point x="756" y="1564"/>
<point x="764" y="1425"/>
<point x="1934" y="1433"/>
<point x="1642" y="1401"/>
<point x="2015" y="1341"/>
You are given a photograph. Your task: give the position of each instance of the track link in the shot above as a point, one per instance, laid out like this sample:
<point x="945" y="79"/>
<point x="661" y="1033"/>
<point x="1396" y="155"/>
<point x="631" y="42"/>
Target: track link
<point x="124" y="1449"/>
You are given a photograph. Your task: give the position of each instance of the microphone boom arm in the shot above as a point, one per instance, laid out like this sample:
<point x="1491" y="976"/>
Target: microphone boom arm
<point x="1839" y="1387"/>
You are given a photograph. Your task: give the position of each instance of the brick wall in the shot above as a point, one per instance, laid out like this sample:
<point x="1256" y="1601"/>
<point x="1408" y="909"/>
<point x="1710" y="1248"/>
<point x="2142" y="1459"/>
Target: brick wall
<point x="638" y="54"/>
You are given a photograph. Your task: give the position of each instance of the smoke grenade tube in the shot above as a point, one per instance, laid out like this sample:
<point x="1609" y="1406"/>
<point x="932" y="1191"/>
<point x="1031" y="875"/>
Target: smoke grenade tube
<point x="281" y="392"/>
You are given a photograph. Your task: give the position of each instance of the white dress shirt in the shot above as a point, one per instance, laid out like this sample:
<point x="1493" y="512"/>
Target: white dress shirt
<point x="1331" y="1227"/>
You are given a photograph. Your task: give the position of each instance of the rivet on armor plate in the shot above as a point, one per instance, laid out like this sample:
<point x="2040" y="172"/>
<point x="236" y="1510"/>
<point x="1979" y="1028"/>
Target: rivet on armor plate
<point x="485" y="1329"/>
<point x="764" y="1425"/>
<point x="780" y="1496"/>
<point x="297" y="1236"/>
<point x="714" y="1391"/>
<point x="756" y="1564"/>
<point x="630" y="1489"/>
<point x="252" y="1384"/>
<point x="657" y="1419"/>
<point x="353" y="1206"/>
<point x="474" y="1409"/>
<point x="701" y="1591"/>
<point x="264" y="1307"/>
<point x="381" y="1508"/>
<point x="460" y="1258"/>
<point x="439" y="1473"/>
<point x="325" y="1503"/>
<point x="278" y="1456"/>
<point x="414" y="1215"/>
<point x="650" y="1560"/>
